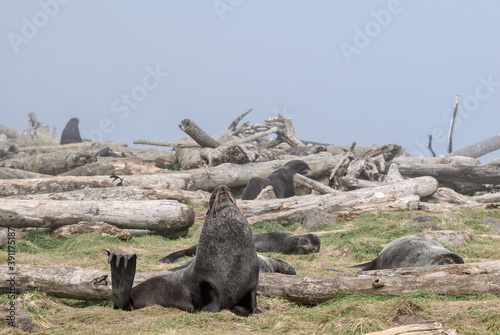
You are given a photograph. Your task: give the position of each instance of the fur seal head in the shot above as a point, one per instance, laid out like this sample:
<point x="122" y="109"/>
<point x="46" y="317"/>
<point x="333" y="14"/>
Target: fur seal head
<point x="221" y="198"/>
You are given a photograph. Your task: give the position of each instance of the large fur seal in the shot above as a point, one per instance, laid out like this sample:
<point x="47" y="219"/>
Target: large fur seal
<point x="281" y="180"/>
<point x="71" y="133"/>
<point x="284" y="243"/>
<point x="224" y="275"/>
<point x="412" y="251"/>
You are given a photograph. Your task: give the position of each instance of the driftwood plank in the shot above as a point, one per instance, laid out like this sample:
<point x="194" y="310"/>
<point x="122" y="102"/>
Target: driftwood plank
<point x="458" y="279"/>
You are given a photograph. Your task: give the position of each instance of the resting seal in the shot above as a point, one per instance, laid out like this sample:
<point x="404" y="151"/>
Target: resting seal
<point x="266" y="264"/>
<point x="71" y="134"/>
<point x="281" y="180"/>
<point x="412" y="251"/>
<point x="224" y="275"/>
<point x="284" y="243"/>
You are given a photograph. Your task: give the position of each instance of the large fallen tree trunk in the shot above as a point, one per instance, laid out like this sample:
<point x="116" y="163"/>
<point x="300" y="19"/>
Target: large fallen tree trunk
<point x="167" y="217"/>
<point x="442" y="172"/>
<point x="52" y="163"/>
<point x="289" y="210"/>
<point x="206" y="179"/>
<point x="8" y="173"/>
<point x="458" y="279"/>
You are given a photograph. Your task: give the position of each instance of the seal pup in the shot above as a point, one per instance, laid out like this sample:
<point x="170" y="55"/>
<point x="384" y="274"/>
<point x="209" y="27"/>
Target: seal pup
<point x="266" y="264"/>
<point x="284" y="243"/>
<point x="411" y="251"/>
<point x="70" y="133"/>
<point x="281" y="180"/>
<point x="224" y="275"/>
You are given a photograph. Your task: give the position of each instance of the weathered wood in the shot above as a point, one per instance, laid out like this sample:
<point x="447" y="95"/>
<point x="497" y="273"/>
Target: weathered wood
<point x="400" y="195"/>
<point x="52" y="163"/>
<point x="442" y="172"/>
<point x="434" y="328"/>
<point x="81" y="227"/>
<point x="8" y="173"/>
<point x="177" y="144"/>
<point x="429" y="146"/>
<point x="167" y="217"/>
<point x="487" y="198"/>
<point x="9" y="132"/>
<point x="98" y="168"/>
<point x="458" y="279"/>
<point x="206" y="179"/>
<point x="189" y="158"/>
<point x="197" y="134"/>
<point x="452" y="124"/>
<point x="480" y="148"/>
<point x="308" y="182"/>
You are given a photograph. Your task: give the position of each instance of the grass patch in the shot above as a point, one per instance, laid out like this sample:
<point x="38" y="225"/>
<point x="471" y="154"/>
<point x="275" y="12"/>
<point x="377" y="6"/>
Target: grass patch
<point x="346" y="313"/>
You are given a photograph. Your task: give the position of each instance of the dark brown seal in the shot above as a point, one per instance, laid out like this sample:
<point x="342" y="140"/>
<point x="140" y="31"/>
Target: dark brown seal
<point x="412" y="251"/>
<point x="71" y="133"/>
<point x="224" y="274"/>
<point x="284" y="243"/>
<point x="281" y="180"/>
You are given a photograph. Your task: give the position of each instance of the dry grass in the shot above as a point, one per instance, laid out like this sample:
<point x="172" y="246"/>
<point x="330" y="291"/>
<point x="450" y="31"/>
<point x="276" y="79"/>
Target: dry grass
<point x="344" y="314"/>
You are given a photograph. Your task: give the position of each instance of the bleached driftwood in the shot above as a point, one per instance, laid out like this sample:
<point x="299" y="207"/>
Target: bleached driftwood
<point x="206" y="179"/>
<point x="480" y="148"/>
<point x="167" y="217"/>
<point x="197" y="134"/>
<point x="402" y="195"/>
<point x="444" y="172"/>
<point x="434" y="328"/>
<point x="458" y="279"/>
<point x="308" y="182"/>
<point x="8" y="173"/>
<point x="189" y="158"/>
<point x="52" y="163"/>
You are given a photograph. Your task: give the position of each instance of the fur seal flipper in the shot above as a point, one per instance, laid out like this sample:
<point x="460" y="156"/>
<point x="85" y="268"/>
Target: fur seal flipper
<point x="122" y="278"/>
<point x="411" y="251"/>
<point x="175" y="256"/>
<point x="281" y="180"/>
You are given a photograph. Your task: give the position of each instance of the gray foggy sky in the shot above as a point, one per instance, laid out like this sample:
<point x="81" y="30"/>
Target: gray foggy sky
<point x="374" y="72"/>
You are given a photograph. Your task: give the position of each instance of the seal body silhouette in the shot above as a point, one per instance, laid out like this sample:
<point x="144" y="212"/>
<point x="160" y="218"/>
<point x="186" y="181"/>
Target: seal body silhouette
<point x="281" y="180"/>
<point x="280" y="242"/>
<point x="224" y="274"/>
<point x="412" y="251"/>
<point x="71" y="133"/>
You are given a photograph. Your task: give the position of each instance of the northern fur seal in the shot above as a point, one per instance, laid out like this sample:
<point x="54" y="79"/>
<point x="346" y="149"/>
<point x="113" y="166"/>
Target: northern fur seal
<point x="412" y="251"/>
<point x="281" y="180"/>
<point x="284" y="243"/>
<point x="266" y="264"/>
<point x="71" y="133"/>
<point x="224" y="275"/>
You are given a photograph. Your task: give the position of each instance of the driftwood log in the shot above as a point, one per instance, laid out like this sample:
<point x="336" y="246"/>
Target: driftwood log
<point x="450" y="173"/>
<point x="206" y="179"/>
<point x="402" y="195"/>
<point x="167" y="217"/>
<point x="198" y="134"/>
<point x="8" y="173"/>
<point x="458" y="279"/>
<point x="52" y="163"/>
<point x="480" y="148"/>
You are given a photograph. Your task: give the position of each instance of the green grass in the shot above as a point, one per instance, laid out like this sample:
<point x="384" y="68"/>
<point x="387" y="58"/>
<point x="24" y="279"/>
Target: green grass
<point x="346" y="313"/>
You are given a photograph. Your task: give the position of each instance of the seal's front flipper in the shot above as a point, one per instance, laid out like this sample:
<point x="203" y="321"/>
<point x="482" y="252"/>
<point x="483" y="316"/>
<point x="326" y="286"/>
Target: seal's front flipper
<point x="175" y="256"/>
<point x="122" y="278"/>
<point x="249" y="302"/>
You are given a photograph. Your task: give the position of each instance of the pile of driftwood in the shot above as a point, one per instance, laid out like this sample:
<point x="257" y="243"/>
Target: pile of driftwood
<point x="52" y="186"/>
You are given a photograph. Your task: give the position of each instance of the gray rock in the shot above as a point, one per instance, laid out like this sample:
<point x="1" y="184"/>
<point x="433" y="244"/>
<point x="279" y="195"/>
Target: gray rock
<point x="492" y="222"/>
<point x="449" y="237"/>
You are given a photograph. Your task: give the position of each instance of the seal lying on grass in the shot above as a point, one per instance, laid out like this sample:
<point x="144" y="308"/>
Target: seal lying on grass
<point x="224" y="274"/>
<point x="411" y="251"/>
<point x="266" y="264"/>
<point x="284" y="243"/>
<point x="281" y="180"/>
